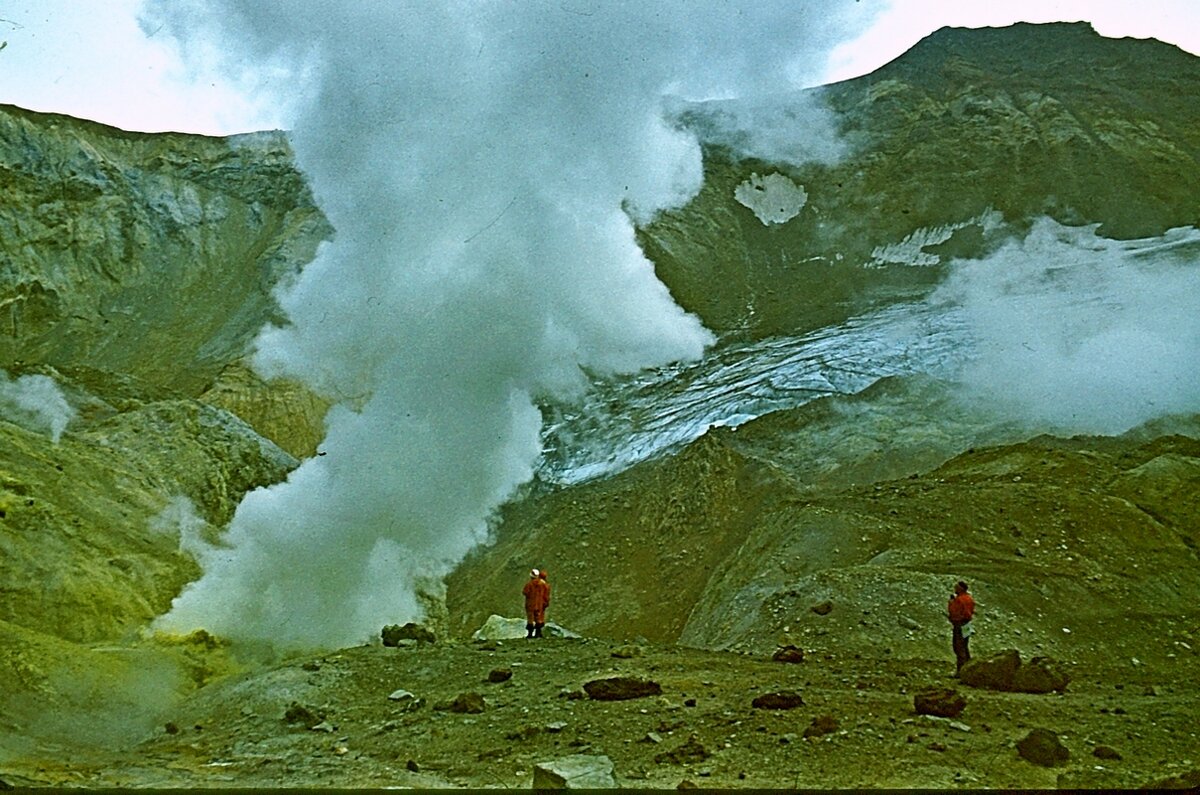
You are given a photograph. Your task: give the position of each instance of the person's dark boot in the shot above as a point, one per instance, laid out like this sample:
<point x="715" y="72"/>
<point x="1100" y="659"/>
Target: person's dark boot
<point x="529" y="630"/>
<point x="537" y="631"/>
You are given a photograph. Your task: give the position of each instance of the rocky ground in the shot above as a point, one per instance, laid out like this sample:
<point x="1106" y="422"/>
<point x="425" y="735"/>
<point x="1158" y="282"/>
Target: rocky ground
<point x="342" y="720"/>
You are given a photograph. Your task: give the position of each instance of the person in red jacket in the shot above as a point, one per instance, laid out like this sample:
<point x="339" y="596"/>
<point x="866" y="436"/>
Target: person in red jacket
<point x="537" y="599"/>
<point x="960" y="611"/>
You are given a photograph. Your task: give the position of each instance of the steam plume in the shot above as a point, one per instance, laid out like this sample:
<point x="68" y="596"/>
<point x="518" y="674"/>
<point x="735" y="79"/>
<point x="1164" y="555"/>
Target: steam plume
<point x="1075" y="333"/>
<point x="481" y="163"/>
<point x="35" y="403"/>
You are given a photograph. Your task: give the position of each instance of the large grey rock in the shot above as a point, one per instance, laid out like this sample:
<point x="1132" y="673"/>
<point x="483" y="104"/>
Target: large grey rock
<point x="579" y="771"/>
<point x="500" y="628"/>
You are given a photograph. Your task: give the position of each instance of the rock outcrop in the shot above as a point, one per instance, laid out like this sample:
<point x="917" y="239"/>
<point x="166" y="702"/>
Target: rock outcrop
<point x="153" y="256"/>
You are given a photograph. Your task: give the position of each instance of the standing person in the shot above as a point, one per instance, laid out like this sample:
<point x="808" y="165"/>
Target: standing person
<point x="537" y="631"/>
<point x="537" y="595"/>
<point x="960" y="610"/>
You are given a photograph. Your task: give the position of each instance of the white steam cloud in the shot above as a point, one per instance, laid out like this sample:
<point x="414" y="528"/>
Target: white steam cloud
<point x="481" y="162"/>
<point x="1075" y="333"/>
<point x="35" y="403"/>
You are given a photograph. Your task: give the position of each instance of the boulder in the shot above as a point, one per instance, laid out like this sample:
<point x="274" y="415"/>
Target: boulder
<point x="788" y="654"/>
<point x="692" y="750"/>
<point x="942" y="702"/>
<point x="621" y="688"/>
<point x="464" y="703"/>
<point x="1004" y="671"/>
<point x="579" y="771"/>
<point x="501" y="628"/>
<point x="1040" y="675"/>
<point x="299" y="714"/>
<point x="1042" y="747"/>
<point x="823" y="608"/>
<point x="822" y="725"/>
<point x="784" y="699"/>
<point x="499" y="675"/>
<point x="992" y="673"/>
<point x="1187" y="780"/>
<point x="1106" y="752"/>
<point x="392" y="634"/>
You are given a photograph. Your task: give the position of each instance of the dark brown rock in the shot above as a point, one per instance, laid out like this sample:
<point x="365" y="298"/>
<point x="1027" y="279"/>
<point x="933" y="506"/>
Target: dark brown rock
<point x="469" y="703"/>
<point x="784" y="699"/>
<point x="788" y="654"/>
<point x="1040" y="675"/>
<point x="621" y="688"/>
<point x="499" y="675"/>
<point x="994" y="672"/>
<point x="1042" y="747"/>
<point x="297" y="713"/>
<point x="392" y="634"/>
<point x="823" y="609"/>
<point x="692" y="750"/>
<point x="821" y="725"/>
<point x="1106" y="752"/>
<point x="943" y="702"/>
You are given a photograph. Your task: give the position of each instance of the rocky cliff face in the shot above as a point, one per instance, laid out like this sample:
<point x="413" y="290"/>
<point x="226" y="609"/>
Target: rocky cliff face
<point x="956" y="144"/>
<point x="153" y="256"/>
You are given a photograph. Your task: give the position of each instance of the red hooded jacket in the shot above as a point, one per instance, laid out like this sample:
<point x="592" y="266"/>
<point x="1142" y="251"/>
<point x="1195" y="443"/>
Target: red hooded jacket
<point x="961" y="608"/>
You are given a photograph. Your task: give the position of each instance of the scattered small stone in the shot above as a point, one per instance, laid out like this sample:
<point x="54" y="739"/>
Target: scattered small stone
<point x="579" y="771"/>
<point x="784" y="699"/>
<point x="1106" y="752"/>
<point x="1042" y="747"/>
<point x="500" y="675"/>
<point x="621" y="688"/>
<point x="939" y="747"/>
<point x="400" y="695"/>
<point x="822" y="725"/>
<point x="628" y="652"/>
<point x="788" y="654"/>
<point x="556" y="727"/>
<point x="907" y="623"/>
<point x="687" y="783"/>
<point x="323" y="726"/>
<point x="1151" y="690"/>
<point x="311" y="665"/>
<point x="823" y="608"/>
<point x="412" y="767"/>
<point x="171" y="728"/>
<point x="943" y="702"/>
<point x="652" y="737"/>
<point x="689" y="702"/>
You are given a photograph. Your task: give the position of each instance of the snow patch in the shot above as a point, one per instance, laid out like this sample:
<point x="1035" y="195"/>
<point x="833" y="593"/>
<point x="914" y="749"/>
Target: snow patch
<point x="774" y="199"/>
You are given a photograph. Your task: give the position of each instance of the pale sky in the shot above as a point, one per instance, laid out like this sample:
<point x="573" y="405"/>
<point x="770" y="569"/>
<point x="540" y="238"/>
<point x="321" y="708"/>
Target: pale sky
<point x="91" y="59"/>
